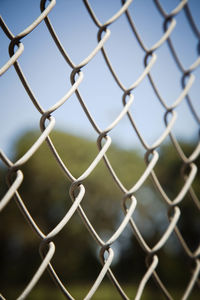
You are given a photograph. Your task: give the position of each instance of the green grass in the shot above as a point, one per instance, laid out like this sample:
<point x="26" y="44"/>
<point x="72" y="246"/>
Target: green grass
<point x="106" y="291"/>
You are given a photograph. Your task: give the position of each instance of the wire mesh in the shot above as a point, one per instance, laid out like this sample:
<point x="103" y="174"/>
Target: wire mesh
<point x="78" y="189"/>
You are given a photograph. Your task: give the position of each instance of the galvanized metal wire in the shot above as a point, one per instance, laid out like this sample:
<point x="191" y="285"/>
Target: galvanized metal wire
<point x="77" y="190"/>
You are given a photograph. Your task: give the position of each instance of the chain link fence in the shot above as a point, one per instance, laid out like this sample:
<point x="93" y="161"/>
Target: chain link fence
<point x="78" y="188"/>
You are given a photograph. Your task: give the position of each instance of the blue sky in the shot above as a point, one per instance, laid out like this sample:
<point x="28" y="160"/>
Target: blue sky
<point x="49" y="75"/>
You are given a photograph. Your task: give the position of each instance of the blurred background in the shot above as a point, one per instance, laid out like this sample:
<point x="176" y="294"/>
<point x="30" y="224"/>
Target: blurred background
<point x="45" y="190"/>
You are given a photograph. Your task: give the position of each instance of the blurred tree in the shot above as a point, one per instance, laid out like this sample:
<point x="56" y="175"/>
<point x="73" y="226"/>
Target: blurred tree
<point x="45" y="192"/>
<point x="174" y="265"/>
<point x="171" y="172"/>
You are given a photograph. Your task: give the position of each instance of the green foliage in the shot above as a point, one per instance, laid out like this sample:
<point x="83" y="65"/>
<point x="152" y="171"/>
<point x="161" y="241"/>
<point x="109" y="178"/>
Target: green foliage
<point x="45" y="192"/>
<point x="46" y="185"/>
